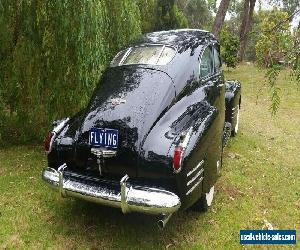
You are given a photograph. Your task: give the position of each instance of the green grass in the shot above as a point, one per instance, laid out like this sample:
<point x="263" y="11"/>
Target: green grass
<point x="260" y="182"/>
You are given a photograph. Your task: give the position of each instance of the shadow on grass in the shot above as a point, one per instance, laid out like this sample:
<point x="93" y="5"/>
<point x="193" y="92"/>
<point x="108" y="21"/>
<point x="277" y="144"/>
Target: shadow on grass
<point x="93" y="223"/>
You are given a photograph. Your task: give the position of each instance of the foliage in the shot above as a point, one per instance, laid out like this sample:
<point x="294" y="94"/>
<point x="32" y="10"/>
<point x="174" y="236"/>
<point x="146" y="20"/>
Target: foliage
<point x="159" y="15"/>
<point x="53" y="52"/>
<point x="274" y="41"/>
<point x="197" y="12"/>
<point x="148" y="13"/>
<point x="289" y="6"/>
<point x="274" y="48"/>
<point x="212" y="5"/>
<point x="169" y="16"/>
<point x="52" y="56"/>
<point x="229" y="48"/>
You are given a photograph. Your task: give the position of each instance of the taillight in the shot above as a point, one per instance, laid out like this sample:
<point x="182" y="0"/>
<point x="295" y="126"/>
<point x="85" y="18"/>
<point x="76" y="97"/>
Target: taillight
<point x="177" y="159"/>
<point x="48" y="142"/>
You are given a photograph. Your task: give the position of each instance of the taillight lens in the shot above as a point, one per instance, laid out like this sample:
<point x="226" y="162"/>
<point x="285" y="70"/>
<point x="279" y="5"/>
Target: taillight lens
<point x="177" y="158"/>
<point x="48" y="141"/>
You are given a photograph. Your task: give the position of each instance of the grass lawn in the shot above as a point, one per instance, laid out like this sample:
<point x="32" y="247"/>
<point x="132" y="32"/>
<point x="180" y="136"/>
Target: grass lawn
<point x="260" y="184"/>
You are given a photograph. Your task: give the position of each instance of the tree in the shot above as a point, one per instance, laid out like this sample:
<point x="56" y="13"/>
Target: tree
<point x="169" y="16"/>
<point x="246" y="26"/>
<point x="220" y="17"/>
<point x="197" y="13"/>
<point x="274" y="46"/>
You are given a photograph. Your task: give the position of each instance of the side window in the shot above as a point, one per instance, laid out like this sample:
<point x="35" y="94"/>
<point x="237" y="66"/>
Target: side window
<point x="217" y="60"/>
<point x="206" y="63"/>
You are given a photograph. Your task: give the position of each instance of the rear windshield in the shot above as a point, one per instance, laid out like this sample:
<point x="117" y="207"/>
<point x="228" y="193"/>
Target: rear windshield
<point x="153" y="55"/>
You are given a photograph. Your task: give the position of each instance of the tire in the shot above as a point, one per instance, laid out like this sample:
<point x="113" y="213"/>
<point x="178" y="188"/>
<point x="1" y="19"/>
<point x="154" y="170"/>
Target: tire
<point x="205" y="201"/>
<point x="235" y="129"/>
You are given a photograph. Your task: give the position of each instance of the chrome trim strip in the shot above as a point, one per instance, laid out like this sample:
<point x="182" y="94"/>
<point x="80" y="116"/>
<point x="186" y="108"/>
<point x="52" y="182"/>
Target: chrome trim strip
<point x="195" y="177"/>
<point x="125" y="56"/>
<point x="160" y="53"/>
<point x="235" y="108"/>
<point x="130" y="198"/>
<point x="193" y="187"/>
<point x="195" y="168"/>
<point x="60" y="126"/>
<point x="187" y="138"/>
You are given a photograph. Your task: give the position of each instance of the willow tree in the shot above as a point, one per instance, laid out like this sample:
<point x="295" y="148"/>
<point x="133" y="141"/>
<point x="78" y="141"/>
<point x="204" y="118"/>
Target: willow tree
<point x="274" y="47"/>
<point x="52" y="54"/>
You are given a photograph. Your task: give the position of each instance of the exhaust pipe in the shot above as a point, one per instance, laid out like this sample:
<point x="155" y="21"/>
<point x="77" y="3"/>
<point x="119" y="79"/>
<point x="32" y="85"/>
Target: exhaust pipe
<point x="162" y="221"/>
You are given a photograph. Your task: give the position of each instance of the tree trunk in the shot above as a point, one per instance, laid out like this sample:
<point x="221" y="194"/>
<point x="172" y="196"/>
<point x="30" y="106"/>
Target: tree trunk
<point x="243" y="26"/>
<point x="246" y="26"/>
<point x="220" y="17"/>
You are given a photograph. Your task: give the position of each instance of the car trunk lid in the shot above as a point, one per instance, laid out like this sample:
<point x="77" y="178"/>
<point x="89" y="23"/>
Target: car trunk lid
<point x="130" y="100"/>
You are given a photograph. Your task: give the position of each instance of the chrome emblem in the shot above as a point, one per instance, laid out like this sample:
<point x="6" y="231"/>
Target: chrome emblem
<point x="117" y="101"/>
<point x="101" y="155"/>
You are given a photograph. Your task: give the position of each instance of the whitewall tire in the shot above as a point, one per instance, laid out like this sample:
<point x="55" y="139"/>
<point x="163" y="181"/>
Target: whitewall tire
<point x="205" y="201"/>
<point x="237" y="122"/>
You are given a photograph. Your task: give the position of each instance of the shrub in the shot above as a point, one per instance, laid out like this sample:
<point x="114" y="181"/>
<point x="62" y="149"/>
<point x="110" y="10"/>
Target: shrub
<point x="229" y="48"/>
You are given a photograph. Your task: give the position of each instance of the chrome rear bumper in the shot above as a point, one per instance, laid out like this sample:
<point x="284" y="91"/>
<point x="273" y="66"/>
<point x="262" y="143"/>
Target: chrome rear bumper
<point x="128" y="197"/>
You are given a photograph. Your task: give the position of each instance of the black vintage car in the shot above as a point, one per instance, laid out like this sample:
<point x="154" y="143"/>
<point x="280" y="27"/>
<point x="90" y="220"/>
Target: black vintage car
<point x="152" y="136"/>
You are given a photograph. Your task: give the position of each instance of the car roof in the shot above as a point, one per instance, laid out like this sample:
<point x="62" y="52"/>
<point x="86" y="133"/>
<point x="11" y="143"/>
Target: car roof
<point x="181" y="39"/>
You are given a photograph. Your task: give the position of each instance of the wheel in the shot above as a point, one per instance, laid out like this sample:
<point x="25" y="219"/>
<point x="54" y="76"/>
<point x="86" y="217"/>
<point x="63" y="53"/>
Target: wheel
<point x="205" y="201"/>
<point x="237" y="121"/>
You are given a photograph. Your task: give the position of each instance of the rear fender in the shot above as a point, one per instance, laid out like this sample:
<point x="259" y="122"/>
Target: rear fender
<point x="198" y="172"/>
<point x="156" y="154"/>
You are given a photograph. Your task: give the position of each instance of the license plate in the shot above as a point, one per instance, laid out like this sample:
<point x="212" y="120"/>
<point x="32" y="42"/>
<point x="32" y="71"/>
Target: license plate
<point x="104" y="137"/>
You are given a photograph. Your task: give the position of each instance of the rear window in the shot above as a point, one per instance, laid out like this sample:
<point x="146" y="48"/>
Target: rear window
<point x="153" y="55"/>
